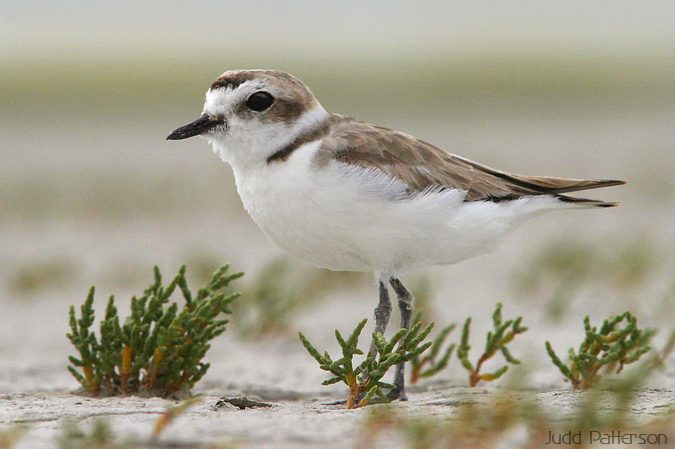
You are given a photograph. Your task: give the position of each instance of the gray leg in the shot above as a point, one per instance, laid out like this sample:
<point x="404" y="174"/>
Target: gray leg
<point x="406" y="304"/>
<point x="382" y="313"/>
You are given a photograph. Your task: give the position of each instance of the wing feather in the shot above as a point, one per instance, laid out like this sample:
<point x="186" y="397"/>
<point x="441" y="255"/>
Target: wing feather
<point x="422" y="166"/>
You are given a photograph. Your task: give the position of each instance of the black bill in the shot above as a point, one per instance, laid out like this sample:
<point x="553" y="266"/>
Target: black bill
<point x="199" y="126"/>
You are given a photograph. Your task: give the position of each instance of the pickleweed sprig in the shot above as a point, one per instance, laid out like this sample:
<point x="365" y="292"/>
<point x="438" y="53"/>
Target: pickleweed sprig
<point x="617" y="343"/>
<point x="497" y="340"/>
<point x="158" y="350"/>
<point x="365" y="379"/>
<point x="432" y="362"/>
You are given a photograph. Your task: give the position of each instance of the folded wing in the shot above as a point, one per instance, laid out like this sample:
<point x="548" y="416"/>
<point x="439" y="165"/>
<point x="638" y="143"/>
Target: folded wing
<point x="422" y="166"/>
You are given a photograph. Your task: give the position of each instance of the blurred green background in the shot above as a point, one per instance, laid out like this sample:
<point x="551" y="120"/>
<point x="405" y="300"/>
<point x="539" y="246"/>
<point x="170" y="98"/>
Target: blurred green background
<point x="90" y="192"/>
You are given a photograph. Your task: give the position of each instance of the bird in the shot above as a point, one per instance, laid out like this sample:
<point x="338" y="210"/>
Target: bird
<point x="347" y="195"/>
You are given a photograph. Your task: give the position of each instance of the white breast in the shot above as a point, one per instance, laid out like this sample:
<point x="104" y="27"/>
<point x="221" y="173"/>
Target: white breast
<point x="300" y="210"/>
<point x="347" y="218"/>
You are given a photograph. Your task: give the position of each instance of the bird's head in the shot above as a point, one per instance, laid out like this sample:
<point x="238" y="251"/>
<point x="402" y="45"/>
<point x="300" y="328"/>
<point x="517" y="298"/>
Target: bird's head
<point x="249" y="114"/>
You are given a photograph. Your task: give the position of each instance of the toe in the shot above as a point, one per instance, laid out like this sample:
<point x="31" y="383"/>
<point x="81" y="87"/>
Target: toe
<point x="397" y="394"/>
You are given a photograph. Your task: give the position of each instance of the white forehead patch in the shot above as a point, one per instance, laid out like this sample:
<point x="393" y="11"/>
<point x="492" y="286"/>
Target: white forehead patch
<point x="223" y="99"/>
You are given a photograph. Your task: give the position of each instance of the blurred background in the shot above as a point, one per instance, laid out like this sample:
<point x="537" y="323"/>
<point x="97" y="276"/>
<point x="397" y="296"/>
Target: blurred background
<point x="91" y="193"/>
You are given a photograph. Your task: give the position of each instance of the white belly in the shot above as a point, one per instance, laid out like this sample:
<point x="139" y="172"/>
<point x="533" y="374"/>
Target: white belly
<point x="350" y="219"/>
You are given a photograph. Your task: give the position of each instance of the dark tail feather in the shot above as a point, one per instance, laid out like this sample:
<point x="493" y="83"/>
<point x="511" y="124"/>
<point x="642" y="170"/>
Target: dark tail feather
<point x="556" y="186"/>
<point x="586" y="202"/>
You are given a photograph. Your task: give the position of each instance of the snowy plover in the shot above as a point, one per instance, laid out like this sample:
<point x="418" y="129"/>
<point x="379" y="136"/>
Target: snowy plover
<point x="347" y="195"/>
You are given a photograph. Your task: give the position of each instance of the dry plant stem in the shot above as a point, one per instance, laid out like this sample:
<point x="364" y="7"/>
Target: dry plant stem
<point x="431" y="364"/>
<point x="170" y="414"/>
<point x="497" y="340"/>
<point x="127" y="354"/>
<point x="660" y="358"/>
<point x="475" y="376"/>
<point x="9" y="437"/>
<point x="415" y="373"/>
<point x="355" y="391"/>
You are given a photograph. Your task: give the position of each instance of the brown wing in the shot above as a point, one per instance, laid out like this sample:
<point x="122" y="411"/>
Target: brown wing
<point x="421" y="165"/>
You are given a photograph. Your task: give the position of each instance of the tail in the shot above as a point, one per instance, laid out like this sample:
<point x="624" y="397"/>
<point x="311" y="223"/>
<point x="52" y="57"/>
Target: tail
<point x="550" y="184"/>
<point x="558" y="186"/>
<point x="585" y="202"/>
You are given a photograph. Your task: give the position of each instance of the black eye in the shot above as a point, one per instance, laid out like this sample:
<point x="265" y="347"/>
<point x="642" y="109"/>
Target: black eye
<point x="259" y="101"/>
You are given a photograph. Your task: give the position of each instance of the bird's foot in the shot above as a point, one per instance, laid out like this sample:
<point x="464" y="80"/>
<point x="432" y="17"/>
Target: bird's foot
<point x="397" y="393"/>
